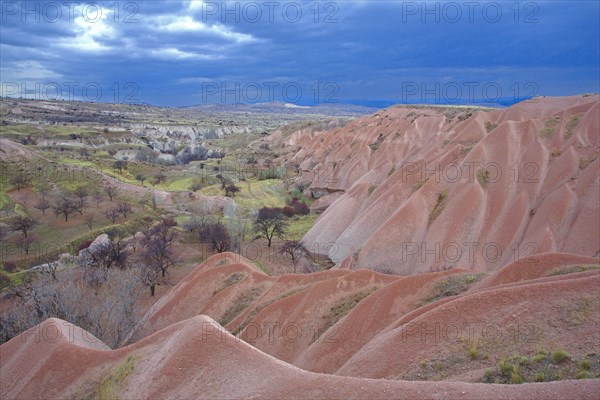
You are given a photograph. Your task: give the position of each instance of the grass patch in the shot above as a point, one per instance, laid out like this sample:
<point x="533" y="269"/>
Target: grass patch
<point x="483" y="177"/>
<point x="585" y="162"/>
<point x="571" y="124"/>
<point x="490" y="126"/>
<point x="240" y="304"/>
<point x="342" y="308"/>
<point x="549" y="128"/>
<point x="420" y="184"/>
<point x="574" y="269"/>
<point x="230" y="281"/>
<point x="107" y="388"/>
<point x="543" y="367"/>
<point x="452" y="286"/>
<point x="439" y="206"/>
<point x="372" y="189"/>
<point x="264" y="305"/>
<point x="299" y="225"/>
<point x="559" y="356"/>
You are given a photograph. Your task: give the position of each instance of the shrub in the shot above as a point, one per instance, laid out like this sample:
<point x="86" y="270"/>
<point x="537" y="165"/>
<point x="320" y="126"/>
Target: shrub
<point x="300" y="208"/>
<point x="540" y="377"/>
<point x="288" y="211"/>
<point x="559" y="356"/>
<point x="473" y="353"/>
<point x="585" y="364"/>
<point x="582" y="375"/>
<point x="483" y="176"/>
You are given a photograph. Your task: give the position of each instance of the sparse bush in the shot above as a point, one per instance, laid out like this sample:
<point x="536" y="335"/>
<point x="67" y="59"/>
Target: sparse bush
<point x="473" y="353"/>
<point x="483" y="177"/>
<point x="288" y="211"/>
<point x="490" y="126"/>
<point x="559" y="356"/>
<point x="300" y="208"/>
<point x="585" y="364"/>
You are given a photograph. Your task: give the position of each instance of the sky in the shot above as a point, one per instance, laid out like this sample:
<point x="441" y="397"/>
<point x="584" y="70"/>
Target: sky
<point x="182" y="53"/>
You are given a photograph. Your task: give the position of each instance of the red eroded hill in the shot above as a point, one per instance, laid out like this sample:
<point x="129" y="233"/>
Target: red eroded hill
<point x="198" y="359"/>
<point x="343" y="326"/>
<point x="417" y="189"/>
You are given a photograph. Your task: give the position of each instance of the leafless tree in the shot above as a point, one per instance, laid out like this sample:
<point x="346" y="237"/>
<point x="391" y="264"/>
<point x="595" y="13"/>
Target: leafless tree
<point x="158" y="250"/>
<point x="19" y="180"/>
<point x="99" y="301"/>
<point x="124" y="209"/>
<point x="22" y="224"/>
<point x="150" y="275"/>
<point x="111" y="191"/>
<point x="81" y="193"/>
<point x="98" y="198"/>
<point x="111" y="214"/>
<point x="89" y="220"/>
<point x="293" y="248"/>
<point x="42" y="204"/>
<point x="23" y="198"/>
<point x="26" y="242"/>
<point x="65" y="206"/>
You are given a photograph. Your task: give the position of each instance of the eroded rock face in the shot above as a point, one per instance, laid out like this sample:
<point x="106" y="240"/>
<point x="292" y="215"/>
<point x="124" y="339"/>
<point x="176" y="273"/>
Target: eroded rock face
<point x="429" y="188"/>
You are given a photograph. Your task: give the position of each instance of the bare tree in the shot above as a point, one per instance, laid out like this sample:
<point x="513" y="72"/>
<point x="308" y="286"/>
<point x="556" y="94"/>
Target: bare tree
<point x="98" y="198"/>
<point x="269" y="223"/>
<point x="150" y="275"/>
<point x="81" y="193"/>
<point x="21" y="224"/>
<point x="124" y="209"/>
<point x="42" y="204"/>
<point x="111" y="191"/>
<point x="103" y="302"/>
<point x="19" y="180"/>
<point x="26" y="242"/>
<point x="217" y="234"/>
<point x="293" y="248"/>
<point x="158" y="247"/>
<point x="65" y="206"/>
<point x="111" y="214"/>
<point x="145" y="226"/>
<point x="89" y="221"/>
<point x="23" y="198"/>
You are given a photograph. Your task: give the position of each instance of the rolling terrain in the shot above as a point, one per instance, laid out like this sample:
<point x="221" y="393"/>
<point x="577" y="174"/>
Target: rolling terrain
<point x="465" y="244"/>
<point x="439" y="187"/>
